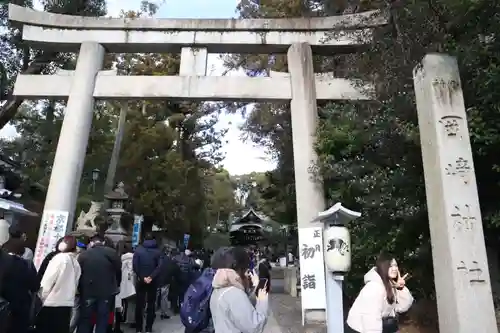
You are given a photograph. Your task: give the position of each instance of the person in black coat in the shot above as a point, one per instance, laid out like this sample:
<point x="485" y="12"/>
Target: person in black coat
<point x="146" y="264"/>
<point x="169" y="276"/>
<point x="16" y="235"/>
<point x="187" y="267"/>
<point x="99" y="284"/>
<point x="205" y="257"/>
<point x="173" y="274"/>
<point x="19" y="284"/>
<point x="264" y="270"/>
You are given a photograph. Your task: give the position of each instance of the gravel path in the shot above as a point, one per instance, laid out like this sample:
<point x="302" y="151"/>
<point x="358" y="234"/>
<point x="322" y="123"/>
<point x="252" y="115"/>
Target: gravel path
<point x="285" y="317"/>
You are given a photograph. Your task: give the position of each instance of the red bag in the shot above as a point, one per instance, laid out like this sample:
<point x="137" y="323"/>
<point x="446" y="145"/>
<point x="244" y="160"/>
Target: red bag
<point x="111" y="319"/>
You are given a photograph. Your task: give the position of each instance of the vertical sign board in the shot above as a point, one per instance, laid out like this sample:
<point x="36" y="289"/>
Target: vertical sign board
<point x="52" y="228"/>
<point x="186" y="240"/>
<point x="312" y="269"/>
<point x="136" y="232"/>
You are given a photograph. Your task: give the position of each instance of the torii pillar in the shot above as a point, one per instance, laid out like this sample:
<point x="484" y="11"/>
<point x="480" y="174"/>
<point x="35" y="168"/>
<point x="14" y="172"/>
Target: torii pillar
<point x="461" y="275"/>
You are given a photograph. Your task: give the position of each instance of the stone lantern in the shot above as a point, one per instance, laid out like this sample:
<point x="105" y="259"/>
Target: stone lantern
<point x="117" y="200"/>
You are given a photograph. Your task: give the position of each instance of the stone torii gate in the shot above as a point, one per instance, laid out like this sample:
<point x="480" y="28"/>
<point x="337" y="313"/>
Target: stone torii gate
<point x="461" y="271"/>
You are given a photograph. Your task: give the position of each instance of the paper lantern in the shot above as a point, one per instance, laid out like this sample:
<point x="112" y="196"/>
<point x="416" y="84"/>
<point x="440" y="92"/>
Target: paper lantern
<point x="337" y="243"/>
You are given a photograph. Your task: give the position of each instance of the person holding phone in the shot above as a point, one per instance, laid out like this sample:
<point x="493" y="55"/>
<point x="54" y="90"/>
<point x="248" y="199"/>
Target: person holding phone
<point x="230" y="305"/>
<point x="381" y="300"/>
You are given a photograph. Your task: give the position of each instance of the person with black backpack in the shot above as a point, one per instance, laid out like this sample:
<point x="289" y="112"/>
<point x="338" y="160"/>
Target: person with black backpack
<point x="187" y="267"/>
<point x="195" y="311"/>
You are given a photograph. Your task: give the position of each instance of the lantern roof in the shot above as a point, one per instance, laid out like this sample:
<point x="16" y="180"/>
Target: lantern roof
<point x="337" y="214"/>
<point x="118" y="193"/>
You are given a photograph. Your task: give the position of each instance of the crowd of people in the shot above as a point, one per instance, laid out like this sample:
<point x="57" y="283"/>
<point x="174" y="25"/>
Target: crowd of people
<point x="92" y="286"/>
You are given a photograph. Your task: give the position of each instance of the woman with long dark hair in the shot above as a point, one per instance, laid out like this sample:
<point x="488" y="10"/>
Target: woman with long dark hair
<point x="58" y="289"/>
<point x="383" y="297"/>
<point x="47" y="259"/>
<point x="230" y="305"/>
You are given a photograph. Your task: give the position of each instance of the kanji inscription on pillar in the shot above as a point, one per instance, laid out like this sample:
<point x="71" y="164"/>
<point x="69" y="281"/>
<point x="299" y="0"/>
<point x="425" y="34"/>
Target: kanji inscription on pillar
<point x="463" y="218"/>
<point x="460" y="167"/>
<point x="472" y="272"/>
<point x="451" y="125"/>
<point x="309" y="251"/>
<point x="444" y="90"/>
<point x="309" y="281"/>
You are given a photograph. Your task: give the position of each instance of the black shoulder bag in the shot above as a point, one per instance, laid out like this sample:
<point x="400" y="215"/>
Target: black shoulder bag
<point x="35" y="308"/>
<point x="390" y="324"/>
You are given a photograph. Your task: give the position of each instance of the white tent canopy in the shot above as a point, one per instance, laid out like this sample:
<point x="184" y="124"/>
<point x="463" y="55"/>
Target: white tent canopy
<point x="15" y="207"/>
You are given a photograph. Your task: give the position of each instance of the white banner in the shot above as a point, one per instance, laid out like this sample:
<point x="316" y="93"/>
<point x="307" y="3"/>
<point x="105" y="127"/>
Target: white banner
<point x="312" y="269"/>
<point x="52" y="228"/>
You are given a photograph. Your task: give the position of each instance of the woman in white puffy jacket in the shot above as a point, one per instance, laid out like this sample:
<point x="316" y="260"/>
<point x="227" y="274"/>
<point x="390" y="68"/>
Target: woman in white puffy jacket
<point x="58" y="289"/>
<point x="127" y="286"/>
<point x="383" y="297"/>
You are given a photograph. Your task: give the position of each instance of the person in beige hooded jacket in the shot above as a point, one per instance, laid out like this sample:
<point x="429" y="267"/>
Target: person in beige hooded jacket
<point x="383" y="297"/>
<point x="230" y="304"/>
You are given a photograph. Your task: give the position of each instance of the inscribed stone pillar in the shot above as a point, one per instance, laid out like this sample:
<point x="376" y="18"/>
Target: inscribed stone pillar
<point x="70" y="154"/>
<point x="308" y="191"/>
<point x="461" y="273"/>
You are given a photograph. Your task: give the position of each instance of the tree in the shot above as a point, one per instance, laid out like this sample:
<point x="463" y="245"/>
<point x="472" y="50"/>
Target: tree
<point x="356" y="162"/>
<point x="16" y="56"/>
<point x="38" y="124"/>
<point x="167" y="153"/>
<point x="269" y="125"/>
<point x="370" y="152"/>
<point x="166" y="145"/>
<point x="221" y="200"/>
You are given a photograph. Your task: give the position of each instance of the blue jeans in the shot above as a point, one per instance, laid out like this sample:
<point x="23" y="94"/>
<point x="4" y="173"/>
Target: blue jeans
<point x="90" y="306"/>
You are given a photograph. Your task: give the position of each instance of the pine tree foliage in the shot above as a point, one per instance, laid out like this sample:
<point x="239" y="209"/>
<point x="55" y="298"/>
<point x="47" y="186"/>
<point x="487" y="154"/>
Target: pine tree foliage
<point x="369" y="152"/>
<point x="16" y="56"/>
<point x="170" y="151"/>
